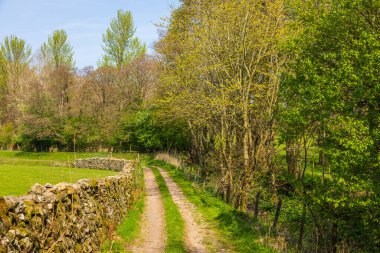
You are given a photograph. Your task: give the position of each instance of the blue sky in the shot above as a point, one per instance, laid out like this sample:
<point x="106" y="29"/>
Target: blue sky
<point x="84" y="20"/>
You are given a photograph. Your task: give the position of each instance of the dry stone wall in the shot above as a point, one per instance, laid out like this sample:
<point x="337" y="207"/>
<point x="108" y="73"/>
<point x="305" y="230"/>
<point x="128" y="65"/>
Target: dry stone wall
<point x="67" y="217"/>
<point x="101" y="163"/>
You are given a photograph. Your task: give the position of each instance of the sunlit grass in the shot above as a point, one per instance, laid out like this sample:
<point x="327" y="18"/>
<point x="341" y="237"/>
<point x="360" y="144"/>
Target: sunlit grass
<point x="21" y="170"/>
<point x="17" y="179"/>
<point x="59" y="156"/>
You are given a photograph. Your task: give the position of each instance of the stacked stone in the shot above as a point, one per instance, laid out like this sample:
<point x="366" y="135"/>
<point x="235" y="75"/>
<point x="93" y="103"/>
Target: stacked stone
<point x="66" y="217"/>
<point x="101" y="163"/>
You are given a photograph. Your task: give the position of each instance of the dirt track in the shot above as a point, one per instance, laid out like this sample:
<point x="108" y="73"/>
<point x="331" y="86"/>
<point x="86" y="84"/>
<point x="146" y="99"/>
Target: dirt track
<point x="199" y="237"/>
<point x="152" y="236"/>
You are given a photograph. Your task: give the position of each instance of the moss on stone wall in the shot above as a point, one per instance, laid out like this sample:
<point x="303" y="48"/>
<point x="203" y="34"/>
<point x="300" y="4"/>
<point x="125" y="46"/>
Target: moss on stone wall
<point x="67" y="217"/>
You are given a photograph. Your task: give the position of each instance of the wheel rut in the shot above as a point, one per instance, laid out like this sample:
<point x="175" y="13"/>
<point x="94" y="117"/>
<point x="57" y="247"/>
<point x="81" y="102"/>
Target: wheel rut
<point x="199" y="237"/>
<point x="152" y="237"/>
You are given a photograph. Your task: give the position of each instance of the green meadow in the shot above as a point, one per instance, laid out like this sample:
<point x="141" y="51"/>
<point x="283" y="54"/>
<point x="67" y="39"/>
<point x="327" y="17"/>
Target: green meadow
<point x="21" y="170"/>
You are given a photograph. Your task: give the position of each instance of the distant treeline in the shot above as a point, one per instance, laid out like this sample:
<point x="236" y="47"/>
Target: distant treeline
<point x="46" y="103"/>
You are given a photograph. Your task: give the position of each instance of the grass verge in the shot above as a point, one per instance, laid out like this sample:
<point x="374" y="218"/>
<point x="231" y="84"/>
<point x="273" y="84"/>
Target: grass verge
<point x="238" y="228"/>
<point x="174" y="222"/>
<point x="129" y="229"/>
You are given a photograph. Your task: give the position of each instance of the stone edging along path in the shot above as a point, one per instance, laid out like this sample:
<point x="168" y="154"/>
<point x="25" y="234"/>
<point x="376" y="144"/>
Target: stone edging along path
<point x="67" y="217"/>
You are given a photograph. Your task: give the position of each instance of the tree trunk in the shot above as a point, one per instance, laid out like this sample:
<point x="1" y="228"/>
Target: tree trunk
<point x="320" y="141"/>
<point x="244" y="190"/>
<point x="302" y="228"/>
<point x="257" y="203"/>
<point x="320" y="237"/>
<point x="334" y="237"/>
<point x="229" y="187"/>
<point x="291" y="157"/>
<point x="277" y="215"/>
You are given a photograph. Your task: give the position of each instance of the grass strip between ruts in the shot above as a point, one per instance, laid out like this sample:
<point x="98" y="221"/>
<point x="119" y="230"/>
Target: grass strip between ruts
<point x="174" y="221"/>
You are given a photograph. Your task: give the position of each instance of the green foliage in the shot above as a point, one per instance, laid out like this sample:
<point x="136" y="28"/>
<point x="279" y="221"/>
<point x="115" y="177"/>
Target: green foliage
<point x="16" y="51"/>
<point x="7" y="133"/>
<point x="173" y="218"/>
<point x="120" y="45"/>
<point x="144" y="131"/>
<point x="40" y="134"/>
<point x="3" y="87"/>
<point x="57" y="51"/>
<point x="331" y="95"/>
<point x="15" y="58"/>
<point x="77" y="132"/>
<point x="3" y="74"/>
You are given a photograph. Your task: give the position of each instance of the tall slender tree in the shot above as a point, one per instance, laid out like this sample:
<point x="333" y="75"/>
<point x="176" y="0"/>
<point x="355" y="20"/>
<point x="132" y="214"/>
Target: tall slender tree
<point x="18" y="56"/>
<point x="57" y="51"/>
<point x="119" y="42"/>
<point x="3" y="86"/>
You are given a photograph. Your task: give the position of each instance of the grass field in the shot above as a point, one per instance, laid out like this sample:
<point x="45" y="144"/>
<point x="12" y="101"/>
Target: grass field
<point x="20" y="170"/>
<point x="17" y="179"/>
<point x="57" y="156"/>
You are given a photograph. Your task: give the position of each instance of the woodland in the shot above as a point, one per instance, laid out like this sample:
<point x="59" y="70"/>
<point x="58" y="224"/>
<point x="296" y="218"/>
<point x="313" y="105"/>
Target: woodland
<point x="276" y="104"/>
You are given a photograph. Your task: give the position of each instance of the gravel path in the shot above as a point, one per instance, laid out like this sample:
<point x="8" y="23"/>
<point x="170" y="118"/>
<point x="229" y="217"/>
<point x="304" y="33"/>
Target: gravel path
<point x="199" y="237"/>
<point x="153" y="235"/>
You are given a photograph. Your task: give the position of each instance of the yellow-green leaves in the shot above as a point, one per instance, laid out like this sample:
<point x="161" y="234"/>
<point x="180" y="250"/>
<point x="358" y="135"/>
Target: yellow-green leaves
<point x="57" y="51"/>
<point x="120" y="45"/>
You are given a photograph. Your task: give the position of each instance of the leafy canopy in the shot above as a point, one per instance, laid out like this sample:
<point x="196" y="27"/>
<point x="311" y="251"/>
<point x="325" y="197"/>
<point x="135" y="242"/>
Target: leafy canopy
<point x="57" y="51"/>
<point x="16" y="53"/>
<point x="120" y="44"/>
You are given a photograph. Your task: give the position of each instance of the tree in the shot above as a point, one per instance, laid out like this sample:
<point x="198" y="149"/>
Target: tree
<point x="144" y="131"/>
<point x="120" y="45"/>
<point x="18" y="56"/>
<point x="333" y="89"/>
<point x="57" y="51"/>
<point x="233" y="49"/>
<point x="3" y="87"/>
